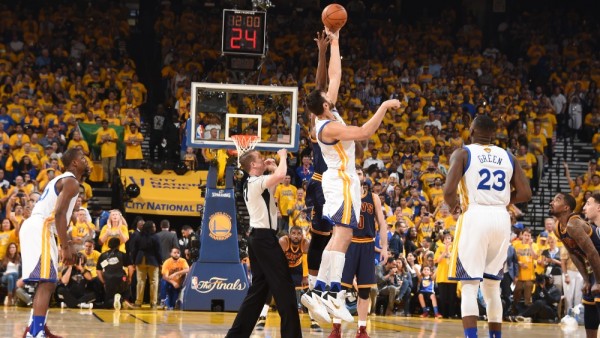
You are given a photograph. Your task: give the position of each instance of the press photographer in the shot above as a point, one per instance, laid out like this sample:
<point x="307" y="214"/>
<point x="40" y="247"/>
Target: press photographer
<point x="545" y="302"/>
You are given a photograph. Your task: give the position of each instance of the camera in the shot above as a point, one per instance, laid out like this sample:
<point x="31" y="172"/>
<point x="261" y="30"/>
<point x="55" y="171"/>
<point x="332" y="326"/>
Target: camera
<point x="20" y="194"/>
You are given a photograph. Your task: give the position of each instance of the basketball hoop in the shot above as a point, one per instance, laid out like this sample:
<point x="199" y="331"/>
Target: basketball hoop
<point x="244" y="143"/>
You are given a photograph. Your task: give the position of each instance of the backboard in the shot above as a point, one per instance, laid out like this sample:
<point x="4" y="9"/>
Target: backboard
<point x="219" y="111"/>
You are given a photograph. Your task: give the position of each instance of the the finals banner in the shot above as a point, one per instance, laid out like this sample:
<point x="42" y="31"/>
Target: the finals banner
<point x="165" y="194"/>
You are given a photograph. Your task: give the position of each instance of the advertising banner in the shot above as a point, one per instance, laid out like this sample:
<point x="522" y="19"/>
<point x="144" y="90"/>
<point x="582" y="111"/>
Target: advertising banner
<point x="165" y="194"/>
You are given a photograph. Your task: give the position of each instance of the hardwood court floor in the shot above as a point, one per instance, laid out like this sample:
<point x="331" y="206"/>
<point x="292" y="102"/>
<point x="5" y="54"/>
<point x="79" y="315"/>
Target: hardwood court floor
<point x="148" y="323"/>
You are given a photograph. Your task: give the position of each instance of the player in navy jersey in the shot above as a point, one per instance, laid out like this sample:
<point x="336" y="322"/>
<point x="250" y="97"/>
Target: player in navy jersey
<point x="582" y="241"/>
<point x="320" y="229"/>
<point x="360" y="257"/>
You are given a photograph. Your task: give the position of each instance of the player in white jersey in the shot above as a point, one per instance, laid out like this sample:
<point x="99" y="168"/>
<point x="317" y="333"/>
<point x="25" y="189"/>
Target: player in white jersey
<point x="49" y="218"/>
<point x="483" y="176"/>
<point x="341" y="187"/>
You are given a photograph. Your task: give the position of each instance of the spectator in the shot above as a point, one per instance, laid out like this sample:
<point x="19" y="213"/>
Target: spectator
<point x="74" y="289"/>
<point x="133" y="150"/>
<point x="551" y="263"/>
<point x="99" y="217"/>
<point x="304" y="171"/>
<point x="405" y="278"/>
<point x="285" y="196"/>
<point x="9" y="234"/>
<point x="107" y="139"/>
<point x="396" y="245"/>
<point x="81" y="231"/>
<point x="115" y="272"/>
<point x="11" y="268"/>
<point x="168" y="242"/>
<point x="116" y="226"/>
<point x="446" y="287"/>
<point x="526" y="255"/>
<point x="145" y="254"/>
<point x="387" y="283"/>
<point x="374" y="160"/>
<point x="77" y="140"/>
<point x="190" y="243"/>
<point x="545" y="300"/>
<point x="573" y="281"/>
<point x="91" y="257"/>
<point x="174" y="270"/>
<point x="427" y="292"/>
<point x="157" y="134"/>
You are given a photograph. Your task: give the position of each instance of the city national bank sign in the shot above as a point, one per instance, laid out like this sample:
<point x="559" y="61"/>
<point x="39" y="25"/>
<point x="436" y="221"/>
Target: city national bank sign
<point x="166" y="193"/>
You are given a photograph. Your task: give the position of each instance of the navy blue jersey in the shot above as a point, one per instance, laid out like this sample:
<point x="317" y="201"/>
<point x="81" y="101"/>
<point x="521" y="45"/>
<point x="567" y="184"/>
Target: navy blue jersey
<point x="318" y="162"/>
<point x="561" y="233"/>
<point x="366" y="225"/>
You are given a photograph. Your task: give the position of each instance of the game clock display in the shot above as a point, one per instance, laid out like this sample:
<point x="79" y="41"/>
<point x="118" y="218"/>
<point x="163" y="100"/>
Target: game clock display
<point x="244" y="32"/>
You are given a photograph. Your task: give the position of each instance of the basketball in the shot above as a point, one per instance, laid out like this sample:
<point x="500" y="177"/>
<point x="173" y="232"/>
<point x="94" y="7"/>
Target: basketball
<point x="334" y="17"/>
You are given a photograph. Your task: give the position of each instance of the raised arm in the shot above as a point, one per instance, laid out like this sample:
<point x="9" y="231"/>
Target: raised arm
<point x="522" y="190"/>
<point x="278" y="171"/>
<point x="335" y="67"/>
<point x="323" y="41"/>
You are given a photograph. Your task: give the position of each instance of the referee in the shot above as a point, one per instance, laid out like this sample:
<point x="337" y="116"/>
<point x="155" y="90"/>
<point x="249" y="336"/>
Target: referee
<point x="269" y="265"/>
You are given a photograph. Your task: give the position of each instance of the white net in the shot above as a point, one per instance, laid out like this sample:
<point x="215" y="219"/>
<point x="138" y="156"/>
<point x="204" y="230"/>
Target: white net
<point x="244" y="143"/>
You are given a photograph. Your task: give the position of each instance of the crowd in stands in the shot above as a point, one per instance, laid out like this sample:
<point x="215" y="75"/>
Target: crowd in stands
<point x="66" y="81"/>
<point x="536" y="75"/>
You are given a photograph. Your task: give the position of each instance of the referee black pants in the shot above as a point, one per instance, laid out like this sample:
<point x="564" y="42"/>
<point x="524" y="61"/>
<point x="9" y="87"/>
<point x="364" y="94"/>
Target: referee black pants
<point x="269" y="273"/>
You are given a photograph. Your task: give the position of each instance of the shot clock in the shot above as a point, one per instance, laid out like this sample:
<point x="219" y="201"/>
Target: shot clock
<point x="243" y="32"/>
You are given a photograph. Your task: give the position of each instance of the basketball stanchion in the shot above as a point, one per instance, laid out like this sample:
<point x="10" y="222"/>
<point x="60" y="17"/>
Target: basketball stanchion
<point x="218" y="281"/>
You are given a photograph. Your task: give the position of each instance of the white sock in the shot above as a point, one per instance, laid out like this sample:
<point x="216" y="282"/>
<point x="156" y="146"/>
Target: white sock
<point x="337" y="320"/>
<point x="362" y="323"/>
<point x="30" y="318"/>
<point x="324" y="268"/>
<point x="338" y="259"/>
<point x="265" y="310"/>
<point x="311" y="281"/>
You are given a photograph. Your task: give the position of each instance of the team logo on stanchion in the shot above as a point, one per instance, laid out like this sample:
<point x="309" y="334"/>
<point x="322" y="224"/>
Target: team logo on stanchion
<point x="219" y="226"/>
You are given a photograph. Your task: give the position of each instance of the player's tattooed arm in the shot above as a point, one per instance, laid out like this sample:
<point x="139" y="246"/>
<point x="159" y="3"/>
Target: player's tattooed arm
<point x="578" y="230"/>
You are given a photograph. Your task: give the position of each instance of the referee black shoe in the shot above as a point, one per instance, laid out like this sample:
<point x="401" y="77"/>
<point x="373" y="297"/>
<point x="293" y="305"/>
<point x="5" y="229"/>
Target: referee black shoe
<point x="315" y="327"/>
<point x="260" y="324"/>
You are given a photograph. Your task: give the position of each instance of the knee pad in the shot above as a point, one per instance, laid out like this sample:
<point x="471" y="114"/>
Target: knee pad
<point x="491" y="294"/>
<point x="590" y="317"/>
<point x="469" y="298"/>
<point x="363" y="293"/>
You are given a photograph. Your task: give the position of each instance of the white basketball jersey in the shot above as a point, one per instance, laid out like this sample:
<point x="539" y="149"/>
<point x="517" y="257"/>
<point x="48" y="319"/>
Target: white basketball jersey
<point x="45" y="206"/>
<point x="486" y="180"/>
<point x="337" y="155"/>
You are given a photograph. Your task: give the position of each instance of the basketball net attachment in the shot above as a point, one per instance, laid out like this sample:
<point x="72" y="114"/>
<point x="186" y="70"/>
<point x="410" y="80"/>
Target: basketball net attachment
<point x="243" y="144"/>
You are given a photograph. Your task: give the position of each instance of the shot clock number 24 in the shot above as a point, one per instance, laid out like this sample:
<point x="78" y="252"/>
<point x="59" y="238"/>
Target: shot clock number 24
<point x="243" y="32"/>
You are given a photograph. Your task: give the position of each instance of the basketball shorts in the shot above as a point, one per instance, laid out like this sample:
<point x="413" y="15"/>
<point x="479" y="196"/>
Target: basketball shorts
<point x="39" y="251"/>
<point x="481" y="243"/>
<point x="360" y="262"/>
<point x="315" y="200"/>
<point x="296" y="273"/>
<point x="342" y="193"/>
